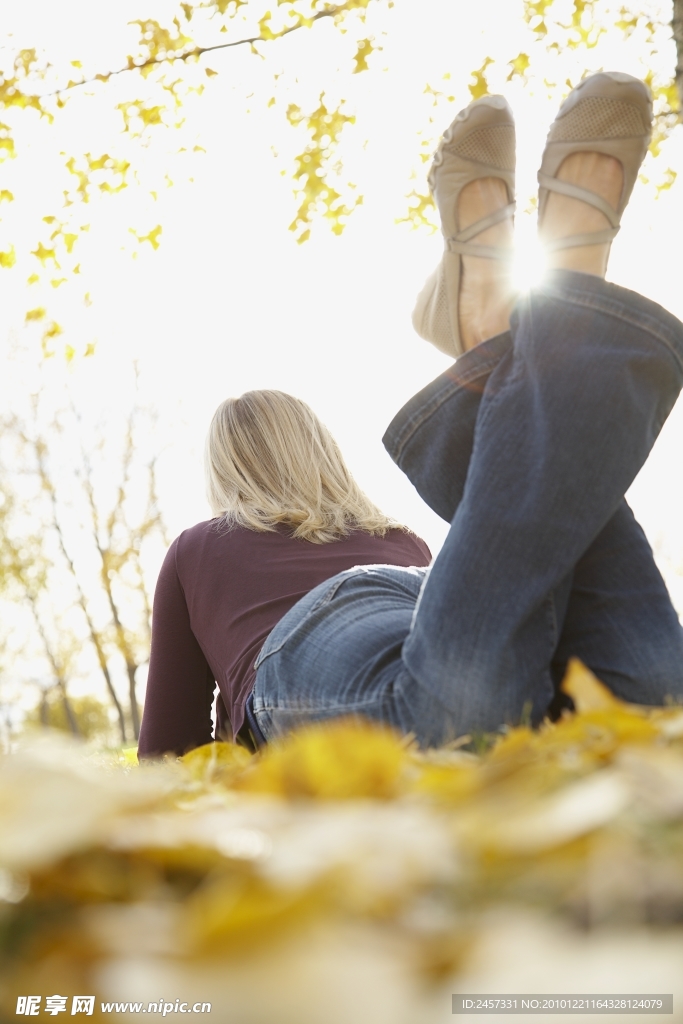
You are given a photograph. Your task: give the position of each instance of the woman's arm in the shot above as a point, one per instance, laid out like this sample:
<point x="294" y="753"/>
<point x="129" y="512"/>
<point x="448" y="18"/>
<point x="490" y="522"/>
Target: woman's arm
<point x="180" y="684"/>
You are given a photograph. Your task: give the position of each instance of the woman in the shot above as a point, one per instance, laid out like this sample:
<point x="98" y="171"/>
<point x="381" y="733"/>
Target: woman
<point x="305" y="603"/>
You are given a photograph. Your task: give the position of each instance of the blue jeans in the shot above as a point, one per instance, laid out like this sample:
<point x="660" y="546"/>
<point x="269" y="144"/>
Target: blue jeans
<point x="526" y="445"/>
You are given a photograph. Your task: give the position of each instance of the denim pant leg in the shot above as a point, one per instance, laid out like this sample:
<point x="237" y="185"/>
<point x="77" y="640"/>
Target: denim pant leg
<point x="566" y="420"/>
<point x="614" y="612"/>
<point x="620" y="620"/>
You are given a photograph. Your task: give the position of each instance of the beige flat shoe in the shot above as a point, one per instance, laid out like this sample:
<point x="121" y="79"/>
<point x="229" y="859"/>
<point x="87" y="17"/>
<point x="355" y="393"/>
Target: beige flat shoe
<point x="608" y="113"/>
<point x="480" y="143"/>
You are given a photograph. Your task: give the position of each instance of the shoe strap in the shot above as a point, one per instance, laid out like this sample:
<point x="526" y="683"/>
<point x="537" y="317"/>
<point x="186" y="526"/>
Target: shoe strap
<point x="460" y="242"/>
<point x="487" y="252"/>
<point x="589" y="238"/>
<point x="565" y="188"/>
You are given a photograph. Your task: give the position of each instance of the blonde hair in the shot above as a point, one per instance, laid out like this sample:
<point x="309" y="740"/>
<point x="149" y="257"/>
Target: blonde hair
<point x="269" y="460"/>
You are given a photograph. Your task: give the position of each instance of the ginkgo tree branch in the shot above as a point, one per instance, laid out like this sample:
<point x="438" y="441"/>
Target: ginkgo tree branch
<point x="199" y="51"/>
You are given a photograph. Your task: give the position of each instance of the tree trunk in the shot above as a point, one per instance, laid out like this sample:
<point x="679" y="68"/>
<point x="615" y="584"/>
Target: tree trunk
<point x="57" y="668"/>
<point x="677" y="26"/>
<point x="132" y="696"/>
<point x="44" y="710"/>
<point x="121" y="641"/>
<point x="104" y="667"/>
<point x="68" y="710"/>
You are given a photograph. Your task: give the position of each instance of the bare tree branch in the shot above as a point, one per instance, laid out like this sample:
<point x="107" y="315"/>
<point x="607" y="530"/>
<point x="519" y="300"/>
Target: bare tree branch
<point x="113" y="561"/>
<point x="96" y="638"/>
<point x="105" y="552"/>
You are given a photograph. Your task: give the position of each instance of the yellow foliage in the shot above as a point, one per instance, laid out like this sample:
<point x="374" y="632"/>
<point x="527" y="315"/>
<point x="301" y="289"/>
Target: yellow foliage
<point x="44" y="253"/>
<point x="586" y="690"/>
<point x="240" y="910"/>
<point x="519" y="65"/>
<point x="152" y="236"/>
<point x="158" y="42"/>
<point x="668" y="179"/>
<point x="51" y="331"/>
<point x="365" y="48"/>
<point x="235" y="862"/>
<point x="35" y="314"/>
<point x="315" y="192"/>
<point x="421" y="211"/>
<point x="216" y="762"/>
<point x="340" y="760"/>
<point x="6" y="143"/>
<point x="479" y="86"/>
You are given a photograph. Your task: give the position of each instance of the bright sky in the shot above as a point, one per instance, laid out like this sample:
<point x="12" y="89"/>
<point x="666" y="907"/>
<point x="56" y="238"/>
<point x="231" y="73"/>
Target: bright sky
<point x="230" y="302"/>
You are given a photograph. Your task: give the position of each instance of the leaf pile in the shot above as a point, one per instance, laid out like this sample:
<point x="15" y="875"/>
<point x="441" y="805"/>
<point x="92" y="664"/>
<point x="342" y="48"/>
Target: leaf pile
<point x="339" y="868"/>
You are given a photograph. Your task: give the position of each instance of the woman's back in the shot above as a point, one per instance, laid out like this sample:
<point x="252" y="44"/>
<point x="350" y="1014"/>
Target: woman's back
<point x="220" y="592"/>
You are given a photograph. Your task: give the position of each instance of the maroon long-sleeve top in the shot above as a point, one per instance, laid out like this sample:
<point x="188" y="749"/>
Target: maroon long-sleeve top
<point x="219" y="593"/>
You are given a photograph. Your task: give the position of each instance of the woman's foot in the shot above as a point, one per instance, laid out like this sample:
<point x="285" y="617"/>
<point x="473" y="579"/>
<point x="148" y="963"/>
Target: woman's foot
<point x="486" y="295"/>
<point x="468" y="297"/>
<point x="564" y="216"/>
<point x="590" y="163"/>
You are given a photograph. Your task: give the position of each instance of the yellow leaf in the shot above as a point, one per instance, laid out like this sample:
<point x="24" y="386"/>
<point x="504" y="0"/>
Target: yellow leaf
<point x="518" y="66"/>
<point x="480" y="87"/>
<point x="265" y="30"/>
<point x="35" y="314"/>
<point x="43" y="254"/>
<point x="360" y="60"/>
<point x="152" y="236"/>
<point x="216" y="762"/>
<point x="667" y="181"/>
<point x="8" y="258"/>
<point x="52" y="330"/>
<point x="586" y="690"/>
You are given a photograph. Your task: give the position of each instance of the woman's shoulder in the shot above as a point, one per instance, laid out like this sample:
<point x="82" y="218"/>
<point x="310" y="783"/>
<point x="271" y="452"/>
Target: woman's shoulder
<point x="411" y="541"/>
<point x="213" y="535"/>
<point x="397" y="544"/>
